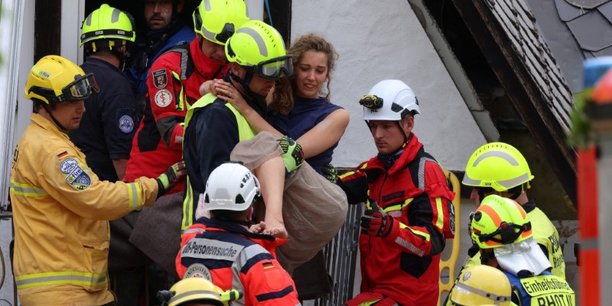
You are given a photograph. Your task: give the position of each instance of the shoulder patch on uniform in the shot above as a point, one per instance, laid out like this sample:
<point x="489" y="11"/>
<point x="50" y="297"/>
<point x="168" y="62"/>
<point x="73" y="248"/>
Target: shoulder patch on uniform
<point x="76" y="177"/>
<point x="160" y="78"/>
<point x="126" y="124"/>
<point x="198" y="270"/>
<point x="163" y="98"/>
<point x="62" y="154"/>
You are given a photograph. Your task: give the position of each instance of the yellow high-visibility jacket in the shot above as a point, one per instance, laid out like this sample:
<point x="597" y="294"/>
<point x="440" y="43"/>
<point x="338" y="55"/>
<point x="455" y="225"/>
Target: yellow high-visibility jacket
<point x="60" y="213"/>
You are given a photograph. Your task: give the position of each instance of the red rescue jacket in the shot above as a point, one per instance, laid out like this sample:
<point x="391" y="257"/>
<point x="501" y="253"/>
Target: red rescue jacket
<point x="403" y="266"/>
<point x="234" y="258"/>
<point x="173" y="85"/>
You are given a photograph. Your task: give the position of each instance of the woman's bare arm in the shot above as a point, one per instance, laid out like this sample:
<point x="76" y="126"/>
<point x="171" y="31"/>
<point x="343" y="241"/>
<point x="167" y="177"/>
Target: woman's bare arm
<point x="325" y="134"/>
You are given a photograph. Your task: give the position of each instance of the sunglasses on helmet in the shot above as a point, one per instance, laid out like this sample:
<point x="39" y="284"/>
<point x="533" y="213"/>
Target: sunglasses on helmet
<point x="275" y="68"/>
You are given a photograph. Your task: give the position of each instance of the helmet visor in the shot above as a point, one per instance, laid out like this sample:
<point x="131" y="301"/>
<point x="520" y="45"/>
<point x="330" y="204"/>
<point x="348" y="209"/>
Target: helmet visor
<point x="275" y="68"/>
<point x="80" y="88"/>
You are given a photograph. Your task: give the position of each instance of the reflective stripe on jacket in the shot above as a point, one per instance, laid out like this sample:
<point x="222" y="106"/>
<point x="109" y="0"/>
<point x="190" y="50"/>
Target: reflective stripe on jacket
<point x="544" y="289"/>
<point x="244" y="132"/>
<point x="546" y="234"/>
<point x="60" y="213"/>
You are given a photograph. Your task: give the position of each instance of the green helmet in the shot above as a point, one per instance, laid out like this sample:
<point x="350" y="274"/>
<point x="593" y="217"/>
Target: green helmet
<point x="259" y="47"/>
<point x="499" y="221"/>
<point x="217" y="20"/>
<point x="497" y="165"/>
<point x="107" y="23"/>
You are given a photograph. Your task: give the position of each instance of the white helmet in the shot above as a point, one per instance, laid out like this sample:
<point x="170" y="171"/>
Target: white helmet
<point x="230" y="186"/>
<point x="389" y="100"/>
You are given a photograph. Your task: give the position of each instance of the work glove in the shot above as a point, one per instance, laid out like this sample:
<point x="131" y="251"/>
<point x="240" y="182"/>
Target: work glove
<point x="293" y="157"/>
<point x="376" y="223"/>
<point x="330" y="173"/>
<point x="170" y="177"/>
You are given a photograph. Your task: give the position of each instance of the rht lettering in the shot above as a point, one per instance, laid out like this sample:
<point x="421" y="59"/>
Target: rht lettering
<point x="559" y="299"/>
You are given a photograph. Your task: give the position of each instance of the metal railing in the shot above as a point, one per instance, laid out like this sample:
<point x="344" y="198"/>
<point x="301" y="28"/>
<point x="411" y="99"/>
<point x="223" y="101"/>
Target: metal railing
<point x="341" y="259"/>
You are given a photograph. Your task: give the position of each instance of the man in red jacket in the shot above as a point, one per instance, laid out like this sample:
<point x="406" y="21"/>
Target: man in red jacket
<point x="408" y="205"/>
<point x="173" y="85"/>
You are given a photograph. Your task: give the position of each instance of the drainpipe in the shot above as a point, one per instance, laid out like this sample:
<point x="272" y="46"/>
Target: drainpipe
<point x="592" y="135"/>
<point x="599" y="112"/>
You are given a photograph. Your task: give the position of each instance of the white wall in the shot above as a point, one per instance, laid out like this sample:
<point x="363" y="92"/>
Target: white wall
<point x="381" y="40"/>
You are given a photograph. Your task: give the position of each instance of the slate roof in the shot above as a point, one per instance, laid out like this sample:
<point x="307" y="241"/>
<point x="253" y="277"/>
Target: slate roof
<point x="519" y="23"/>
<point x="590" y="23"/>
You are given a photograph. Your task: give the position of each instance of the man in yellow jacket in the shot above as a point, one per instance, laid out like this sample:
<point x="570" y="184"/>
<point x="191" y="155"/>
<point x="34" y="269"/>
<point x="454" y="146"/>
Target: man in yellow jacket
<point x="61" y="209"/>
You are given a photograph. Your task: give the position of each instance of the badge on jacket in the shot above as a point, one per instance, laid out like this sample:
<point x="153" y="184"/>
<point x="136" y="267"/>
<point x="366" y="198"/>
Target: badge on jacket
<point x="76" y="177"/>
<point x="160" y="78"/>
<point x="126" y="124"/>
<point x="198" y="270"/>
<point x="163" y="98"/>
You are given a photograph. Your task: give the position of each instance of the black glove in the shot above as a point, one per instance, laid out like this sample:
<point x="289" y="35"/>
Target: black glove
<point x="292" y="153"/>
<point x="376" y="223"/>
<point x="168" y="179"/>
<point x="330" y="173"/>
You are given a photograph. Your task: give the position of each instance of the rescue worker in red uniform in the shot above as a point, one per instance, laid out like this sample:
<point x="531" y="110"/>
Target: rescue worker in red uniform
<point x="173" y="85"/>
<point x="222" y="249"/>
<point x="61" y="208"/>
<point x="408" y="205"/>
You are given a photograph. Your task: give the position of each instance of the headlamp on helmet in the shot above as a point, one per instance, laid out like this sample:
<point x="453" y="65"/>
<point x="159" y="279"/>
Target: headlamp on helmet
<point x="372" y="102"/>
<point x="389" y="100"/>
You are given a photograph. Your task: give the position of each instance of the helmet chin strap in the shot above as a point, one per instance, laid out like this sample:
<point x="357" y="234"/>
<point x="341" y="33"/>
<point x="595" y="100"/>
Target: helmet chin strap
<point x="65" y="130"/>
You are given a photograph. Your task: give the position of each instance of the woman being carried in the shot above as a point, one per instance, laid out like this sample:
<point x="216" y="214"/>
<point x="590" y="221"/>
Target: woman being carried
<point x="300" y="112"/>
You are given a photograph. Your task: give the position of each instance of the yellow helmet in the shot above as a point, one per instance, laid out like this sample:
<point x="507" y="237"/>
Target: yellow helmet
<point x="217" y="20"/>
<point x="197" y="289"/>
<point x="482" y="285"/>
<point x="497" y="165"/>
<point x="56" y="79"/>
<point x="260" y="48"/>
<point x="499" y="221"/>
<point x="107" y="22"/>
